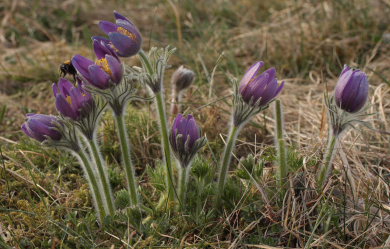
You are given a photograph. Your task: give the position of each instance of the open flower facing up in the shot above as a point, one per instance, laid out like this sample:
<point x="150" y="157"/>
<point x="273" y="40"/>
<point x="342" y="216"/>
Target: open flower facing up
<point x="351" y="91"/>
<point x="104" y="73"/>
<point x="185" y="139"/>
<point x="124" y="35"/>
<point x="259" y="89"/>
<point x="71" y="101"/>
<point x="41" y="127"/>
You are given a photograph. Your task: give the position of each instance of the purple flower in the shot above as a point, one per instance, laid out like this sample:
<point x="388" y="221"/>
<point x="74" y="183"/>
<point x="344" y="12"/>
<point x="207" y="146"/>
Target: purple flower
<point x="259" y="89"/>
<point x="71" y="101"/>
<point x="124" y="35"/>
<point x="185" y="138"/>
<point x="107" y="69"/>
<point x="102" y="47"/>
<point x="40" y="127"/>
<point x="351" y="91"/>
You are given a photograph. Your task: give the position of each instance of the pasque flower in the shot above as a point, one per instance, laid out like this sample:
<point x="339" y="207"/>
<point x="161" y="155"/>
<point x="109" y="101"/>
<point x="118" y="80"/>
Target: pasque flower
<point x="104" y="73"/>
<point x="259" y="89"/>
<point x="124" y="35"/>
<point x="102" y="47"/>
<point x="351" y="91"/>
<point x="185" y="138"/>
<point x="72" y="101"/>
<point x="41" y="127"/>
<point x="182" y="78"/>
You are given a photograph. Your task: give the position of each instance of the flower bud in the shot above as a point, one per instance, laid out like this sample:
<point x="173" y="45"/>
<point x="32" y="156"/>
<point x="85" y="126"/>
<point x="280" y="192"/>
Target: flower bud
<point x="182" y="78"/>
<point x="351" y="91"/>
<point x="259" y="89"/>
<point x="41" y="127"/>
<point x="185" y="139"/>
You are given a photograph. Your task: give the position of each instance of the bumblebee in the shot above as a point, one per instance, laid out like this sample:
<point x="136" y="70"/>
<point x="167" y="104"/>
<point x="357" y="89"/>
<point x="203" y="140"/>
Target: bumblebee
<point x="68" y="68"/>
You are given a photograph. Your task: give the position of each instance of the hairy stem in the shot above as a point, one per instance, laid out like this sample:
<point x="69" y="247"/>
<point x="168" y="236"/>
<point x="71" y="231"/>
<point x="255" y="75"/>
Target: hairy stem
<point x="126" y="157"/>
<point x="103" y="176"/>
<point x="94" y="186"/>
<point x="326" y="167"/>
<point x="145" y="59"/>
<point x="281" y="147"/>
<point x="166" y="148"/>
<point x="227" y="155"/>
<point x="184" y="174"/>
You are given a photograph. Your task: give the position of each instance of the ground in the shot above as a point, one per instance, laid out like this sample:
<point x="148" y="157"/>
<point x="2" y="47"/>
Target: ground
<point x="45" y="201"/>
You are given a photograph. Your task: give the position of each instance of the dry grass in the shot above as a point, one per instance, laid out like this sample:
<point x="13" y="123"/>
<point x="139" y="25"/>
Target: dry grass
<point x="307" y="41"/>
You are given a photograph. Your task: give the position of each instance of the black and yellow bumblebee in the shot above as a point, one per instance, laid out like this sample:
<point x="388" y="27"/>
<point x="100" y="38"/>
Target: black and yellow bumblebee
<point x="68" y="68"/>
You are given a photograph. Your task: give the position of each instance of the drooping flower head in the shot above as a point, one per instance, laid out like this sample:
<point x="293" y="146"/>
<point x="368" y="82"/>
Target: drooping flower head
<point x="72" y="101"/>
<point x="106" y="71"/>
<point x="351" y="91"/>
<point x="41" y="127"/>
<point x="124" y="35"/>
<point x="185" y="138"/>
<point x="182" y="78"/>
<point x="259" y="89"/>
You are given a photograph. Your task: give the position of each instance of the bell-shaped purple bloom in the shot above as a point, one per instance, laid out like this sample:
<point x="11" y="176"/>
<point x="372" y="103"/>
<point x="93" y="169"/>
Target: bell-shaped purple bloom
<point x="259" y="89"/>
<point x="185" y="138"/>
<point x="351" y="91"/>
<point x="71" y="101"/>
<point x="124" y="35"/>
<point x="40" y="127"/>
<point x="106" y="71"/>
<point x="102" y="47"/>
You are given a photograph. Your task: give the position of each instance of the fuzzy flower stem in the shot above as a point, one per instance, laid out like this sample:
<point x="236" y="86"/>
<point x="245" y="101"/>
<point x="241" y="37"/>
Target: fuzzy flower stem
<point x="145" y="59"/>
<point x="280" y="143"/>
<point x="326" y="168"/>
<point x="85" y="162"/>
<point x="103" y="175"/>
<point x="184" y="174"/>
<point x="227" y="155"/>
<point x="127" y="163"/>
<point x="167" y="150"/>
<point x="164" y="128"/>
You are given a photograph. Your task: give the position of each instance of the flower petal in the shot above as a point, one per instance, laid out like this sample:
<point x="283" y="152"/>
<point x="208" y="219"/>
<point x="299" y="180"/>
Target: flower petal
<point x="99" y="77"/>
<point x="107" y="27"/>
<point x="65" y="108"/>
<point x="81" y="64"/>
<point x="116" y="68"/>
<point x="125" y="45"/>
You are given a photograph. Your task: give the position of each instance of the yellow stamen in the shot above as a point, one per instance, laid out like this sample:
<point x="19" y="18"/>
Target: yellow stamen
<point x="103" y="63"/>
<point x="125" y="32"/>
<point x="69" y="100"/>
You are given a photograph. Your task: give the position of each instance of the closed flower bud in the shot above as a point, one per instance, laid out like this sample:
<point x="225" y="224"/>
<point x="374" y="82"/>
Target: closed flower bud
<point x="123" y="35"/>
<point x="259" y="89"/>
<point x="185" y="139"/>
<point x="41" y="127"/>
<point x="351" y="91"/>
<point x="71" y="101"/>
<point x="182" y="78"/>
